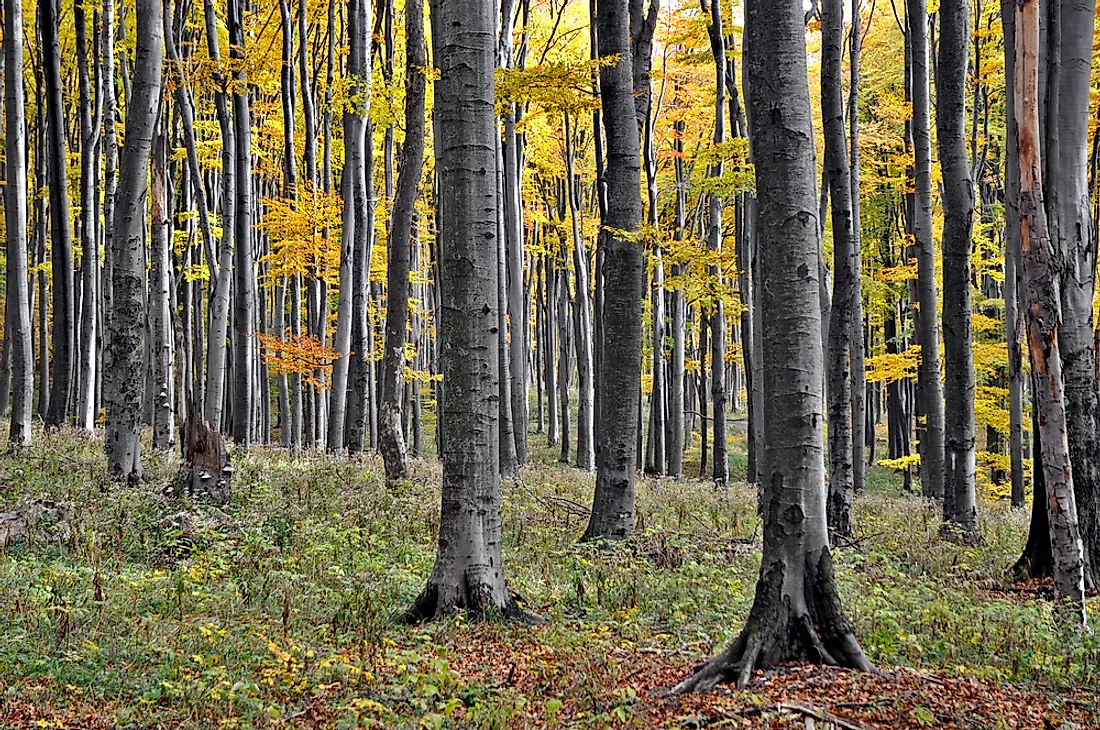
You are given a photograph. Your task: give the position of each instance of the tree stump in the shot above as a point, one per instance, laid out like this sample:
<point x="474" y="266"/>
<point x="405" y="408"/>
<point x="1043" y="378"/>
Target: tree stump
<point x="206" y="471"/>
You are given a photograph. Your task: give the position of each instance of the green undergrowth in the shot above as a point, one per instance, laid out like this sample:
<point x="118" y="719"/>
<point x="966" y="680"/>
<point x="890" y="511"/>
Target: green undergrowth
<point x="288" y="608"/>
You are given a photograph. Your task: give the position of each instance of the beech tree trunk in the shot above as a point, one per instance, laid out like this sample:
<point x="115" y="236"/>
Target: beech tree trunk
<point x="391" y="438"/>
<point x="718" y="393"/>
<point x="1071" y="230"/>
<point x="124" y="387"/>
<point x="1012" y="265"/>
<point x="796" y="613"/>
<point x="863" y="433"/>
<point x="959" y="499"/>
<point x="160" y="309"/>
<point x="930" y="422"/>
<point x="61" y="235"/>
<point x="1039" y="276"/>
<point x="842" y="311"/>
<point x="17" y="295"/>
<point x="89" y="234"/>
<point x="468" y="573"/>
<point x="244" y="276"/>
<point x="621" y="358"/>
<point x="582" y="312"/>
<point x="676" y="407"/>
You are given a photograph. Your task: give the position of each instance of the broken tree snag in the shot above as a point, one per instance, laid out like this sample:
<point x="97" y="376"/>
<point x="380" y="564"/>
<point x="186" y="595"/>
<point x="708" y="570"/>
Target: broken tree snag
<point x="206" y="471"/>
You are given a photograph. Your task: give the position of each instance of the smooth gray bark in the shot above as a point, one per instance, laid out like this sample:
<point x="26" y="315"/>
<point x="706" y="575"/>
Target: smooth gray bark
<point x="63" y="337"/>
<point x="621" y="357"/>
<point x="124" y="387"/>
<point x="862" y="433"/>
<point x="160" y="309"/>
<point x="930" y="428"/>
<point x="841" y="312"/>
<point x="468" y="572"/>
<point x="17" y="297"/>
<point x="392" y="441"/>
<point x="959" y="498"/>
<point x="582" y="312"/>
<point x="86" y="376"/>
<point x="796" y="613"/>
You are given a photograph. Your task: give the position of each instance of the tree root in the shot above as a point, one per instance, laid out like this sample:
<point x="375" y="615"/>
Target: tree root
<point x="474" y="601"/>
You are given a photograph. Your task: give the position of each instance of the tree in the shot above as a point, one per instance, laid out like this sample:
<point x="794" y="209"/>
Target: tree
<point x="17" y="296"/>
<point x="89" y="235"/>
<point x="621" y="359"/>
<point x="930" y="391"/>
<point x="123" y="386"/>
<point x="959" y="498"/>
<point x="61" y="235"/>
<point x="845" y="271"/>
<point x="468" y="572"/>
<point x="243" y="275"/>
<point x="1039" y="283"/>
<point x="391" y="437"/>
<point x="1069" y="59"/>
<point x="796" y="613"/>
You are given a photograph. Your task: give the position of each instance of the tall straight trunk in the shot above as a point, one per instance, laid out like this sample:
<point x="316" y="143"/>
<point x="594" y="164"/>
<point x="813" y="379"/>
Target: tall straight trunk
<point x="564" y="324"/>
<point x="123" y="387"/>
<point x="842" y="315"/>
<point x="550" y="334"/>
<point x="861" y="433"/>
<point x="1040" y="282"/>
<point x="303" y="399"/>
<point x="217" y="364"/>
<point x="17" y="298"/>
<point x="959" y="498"/>
<point x="468" y="572"/>
<point x="930" y="429"/>
<point x="513" y="240"/>
<point x="586" y="441"/>
<point x="509" y="462"/>
<point x="797" y="612"/>
<point x="89" y="235"/>
<point x="714" y="243"/>
<point x="243" y="274"/>
<point x="160" y="282"/>
<point x="290" y="191"/>
<point x="61" y="235"/>
<point x="621" y="365"/>
<point x="675" y="440"/>
<point x="1012" y="266"/>
<point x="1071" y="230"/>
<point x="110" y="155"/>
<point x="392" y="442"/>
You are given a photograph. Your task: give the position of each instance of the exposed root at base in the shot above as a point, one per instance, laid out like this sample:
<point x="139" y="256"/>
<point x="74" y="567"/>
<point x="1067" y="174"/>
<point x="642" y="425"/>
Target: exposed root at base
<point x="429" y="607"/>
<point x="758" y="649"/>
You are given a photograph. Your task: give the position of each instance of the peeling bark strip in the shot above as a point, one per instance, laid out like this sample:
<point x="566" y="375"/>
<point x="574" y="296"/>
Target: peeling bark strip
<point x="124" y="385"/>
<point x="620" y="362"/>
<point x="468" y="574"/>
<point x="796" y="613"/>
<point x="1040" y="289"/>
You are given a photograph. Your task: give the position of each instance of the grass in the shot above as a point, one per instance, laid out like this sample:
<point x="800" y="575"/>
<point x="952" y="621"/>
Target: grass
<point x="285" y="618"/>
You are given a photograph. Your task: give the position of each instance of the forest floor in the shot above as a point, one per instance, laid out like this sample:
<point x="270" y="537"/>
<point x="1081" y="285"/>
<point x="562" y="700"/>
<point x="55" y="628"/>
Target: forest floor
<point x="123" y="608"/>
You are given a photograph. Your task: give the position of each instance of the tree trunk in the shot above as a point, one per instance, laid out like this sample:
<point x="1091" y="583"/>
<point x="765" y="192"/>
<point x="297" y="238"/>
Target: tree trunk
<point x="930" y="429"/>
<point x="89" y="238"/>
<point x="468" y="573"/>
<point x="123" y="387"/>
<point x="217" y="349"/>
<point x="714" y="243"/>
<point x="621" y="366"/>
<point x="160" y="309"/>
<point x="842" y="323"/>
<point x="1012" y="265"/>
<point x="1043" y="315"/>
<point x="797" y="612"/>
<point x="17" y="297"/>
<point x="862" y="434"/>
<point x="61" y="236"/>
<point x="959" y="498"/>
<point x="675" y="440"/>
<point x="1068" y="206"/>
<point x="392" y="442"/>
<point x="586" y="442"/>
